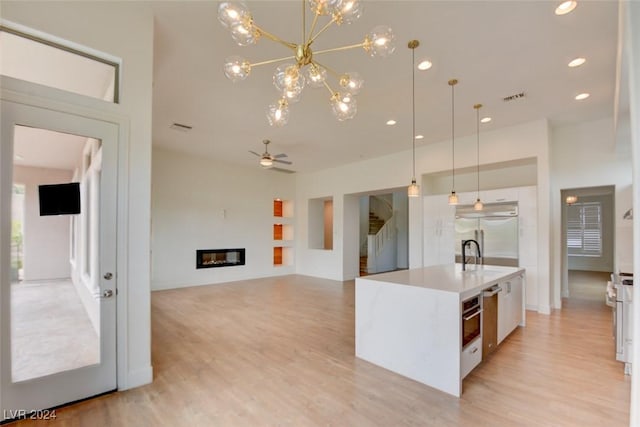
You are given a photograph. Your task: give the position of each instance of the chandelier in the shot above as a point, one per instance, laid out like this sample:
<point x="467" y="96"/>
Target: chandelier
<point x="302" y="68"/>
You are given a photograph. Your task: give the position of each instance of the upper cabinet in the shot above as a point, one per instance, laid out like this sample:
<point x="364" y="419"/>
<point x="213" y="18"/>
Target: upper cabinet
<point x="439" y="230"/>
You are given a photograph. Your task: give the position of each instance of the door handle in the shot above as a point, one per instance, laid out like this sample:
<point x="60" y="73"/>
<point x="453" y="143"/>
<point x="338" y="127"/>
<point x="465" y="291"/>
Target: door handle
<point x="108" y="276"/>
<point x="472" y="316"/>
<point x="107" y="293"/>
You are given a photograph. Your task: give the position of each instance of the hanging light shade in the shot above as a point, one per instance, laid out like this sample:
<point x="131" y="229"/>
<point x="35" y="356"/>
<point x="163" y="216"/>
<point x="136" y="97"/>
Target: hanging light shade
<point x="478" y="206"/>
<point x="453" y="197"/>
<point x="413" y="190"/>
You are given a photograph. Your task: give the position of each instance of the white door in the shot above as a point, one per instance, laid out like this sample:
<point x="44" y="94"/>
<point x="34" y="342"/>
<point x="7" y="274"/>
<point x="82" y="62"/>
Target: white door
<point x="57" y="258"/>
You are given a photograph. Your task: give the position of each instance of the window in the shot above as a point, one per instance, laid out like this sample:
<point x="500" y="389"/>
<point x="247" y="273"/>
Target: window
<point x="584" y="229"/>
<point x="40" y="60"/>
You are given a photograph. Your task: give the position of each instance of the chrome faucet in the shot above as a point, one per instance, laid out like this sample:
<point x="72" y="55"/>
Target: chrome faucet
<point x="466" y="243"/>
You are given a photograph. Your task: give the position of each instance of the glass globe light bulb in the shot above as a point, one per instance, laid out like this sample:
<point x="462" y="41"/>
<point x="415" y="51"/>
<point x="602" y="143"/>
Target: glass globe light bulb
<point x="315" y="75"/>
<point x="344" y="106"/>
<point x="380" y="42"/>
<point x="288" y="77"/>
<point x="324" y="7"/>
<point x="266" y="162"/>
<point x="348" y="11"/>
<point x="352" y="82"/>
<point x="232" y="13"/>
<point x="278" y="113"/>
<point x="244" y="33"/>
<point x="236" y="68"/>
<point x="478" y="206"/>
<point x="293" y="94"/>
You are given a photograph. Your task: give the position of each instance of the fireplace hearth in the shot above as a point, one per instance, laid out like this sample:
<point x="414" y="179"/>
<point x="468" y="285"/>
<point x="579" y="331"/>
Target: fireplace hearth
<point x="210" y="258"/>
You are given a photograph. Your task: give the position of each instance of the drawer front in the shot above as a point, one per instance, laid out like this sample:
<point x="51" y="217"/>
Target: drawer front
<point x="470" y="357"/>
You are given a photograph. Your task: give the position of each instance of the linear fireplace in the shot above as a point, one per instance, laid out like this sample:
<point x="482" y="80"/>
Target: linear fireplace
<point x="209" y="258"/>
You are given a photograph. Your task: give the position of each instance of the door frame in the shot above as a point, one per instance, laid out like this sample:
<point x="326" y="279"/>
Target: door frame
<point x="35" y="95"/>
<point x="594" y="190"/>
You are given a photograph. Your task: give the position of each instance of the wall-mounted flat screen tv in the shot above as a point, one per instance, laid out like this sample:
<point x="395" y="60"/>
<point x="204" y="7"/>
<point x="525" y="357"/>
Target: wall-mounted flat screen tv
<point x="59" y="199"/>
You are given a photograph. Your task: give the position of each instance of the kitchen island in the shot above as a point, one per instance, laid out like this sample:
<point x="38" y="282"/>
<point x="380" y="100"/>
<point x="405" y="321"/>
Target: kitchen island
<point x="411" y="321"/>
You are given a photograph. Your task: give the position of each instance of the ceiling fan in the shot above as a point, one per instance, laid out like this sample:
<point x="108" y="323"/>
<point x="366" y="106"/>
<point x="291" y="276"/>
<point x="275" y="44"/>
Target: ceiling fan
<point x="267" y="160"/>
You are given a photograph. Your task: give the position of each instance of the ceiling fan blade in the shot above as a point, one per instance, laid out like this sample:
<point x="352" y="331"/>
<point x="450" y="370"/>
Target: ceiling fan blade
<point x="282" y="170"/>
<point x="286" y="162"/>
<point x="279" y="156"/>
<point x="253" y="152"/>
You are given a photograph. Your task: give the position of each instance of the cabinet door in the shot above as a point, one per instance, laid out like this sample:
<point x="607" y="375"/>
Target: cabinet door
<point x="439" y="232"/>
<point x="504" y="311"/>
<point x="516" y="302"/>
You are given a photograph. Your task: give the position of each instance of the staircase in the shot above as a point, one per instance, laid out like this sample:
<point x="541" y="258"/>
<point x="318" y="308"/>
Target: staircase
<point x="363" y="266"/>
<point x="375" y="224"/>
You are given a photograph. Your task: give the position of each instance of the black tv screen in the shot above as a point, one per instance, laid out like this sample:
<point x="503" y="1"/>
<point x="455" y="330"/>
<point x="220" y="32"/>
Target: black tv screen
<point x="59" y="199"/>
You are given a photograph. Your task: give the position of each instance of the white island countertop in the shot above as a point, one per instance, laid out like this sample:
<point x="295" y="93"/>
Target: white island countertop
<point x="450" y="277"/>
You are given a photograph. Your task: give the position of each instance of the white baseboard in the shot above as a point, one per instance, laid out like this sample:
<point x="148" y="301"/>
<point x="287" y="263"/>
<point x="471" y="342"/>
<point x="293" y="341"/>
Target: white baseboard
<point x="544" y="309"/>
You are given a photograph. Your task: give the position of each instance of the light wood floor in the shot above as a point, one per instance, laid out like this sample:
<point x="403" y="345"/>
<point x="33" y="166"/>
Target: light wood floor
<point x="280" y="352"/>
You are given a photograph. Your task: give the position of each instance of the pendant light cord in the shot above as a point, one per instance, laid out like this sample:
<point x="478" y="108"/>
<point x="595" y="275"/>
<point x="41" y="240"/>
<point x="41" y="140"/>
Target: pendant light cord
<point x="453" y="149"/>
<point x="413" y="108"/>
<point x="478" y="148"/>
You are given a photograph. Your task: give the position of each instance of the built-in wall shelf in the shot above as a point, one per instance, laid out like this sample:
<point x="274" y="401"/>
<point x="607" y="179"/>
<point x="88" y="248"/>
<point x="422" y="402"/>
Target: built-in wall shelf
<point x="283" y="232"/>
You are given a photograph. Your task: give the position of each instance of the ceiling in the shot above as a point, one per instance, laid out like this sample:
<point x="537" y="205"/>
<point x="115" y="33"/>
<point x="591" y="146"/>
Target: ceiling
<point x="494" y="48"/>
<point x="45" y="148"/>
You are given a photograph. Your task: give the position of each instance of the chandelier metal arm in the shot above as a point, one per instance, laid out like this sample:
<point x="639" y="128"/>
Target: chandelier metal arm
<point x="322" y="30"/>
<point x="313" y="27"/>
<point x="330" y="70"/>
<point x="331" y="91"/>
<point x="272" y="61"/>
<point x="336" y="49"/>
<point x="275" y="38"/>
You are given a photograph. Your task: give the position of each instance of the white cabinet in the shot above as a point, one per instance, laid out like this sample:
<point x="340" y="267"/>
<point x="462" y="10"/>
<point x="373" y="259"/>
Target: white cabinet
<point x="470" y="357"/>
<point x="510" y="309"/>
<point x="439" y="230"/>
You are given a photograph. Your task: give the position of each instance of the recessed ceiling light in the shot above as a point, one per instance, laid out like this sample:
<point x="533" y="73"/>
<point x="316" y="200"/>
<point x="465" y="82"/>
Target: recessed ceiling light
<point x="566" y="7"/>
<point x="485" y="120"/>
<point x="577" y="62"/>
<point x="425" y="65"/>
<point x="391" y="122"/>
<point x="419" y="136"/>
<point x="582" y="96"/>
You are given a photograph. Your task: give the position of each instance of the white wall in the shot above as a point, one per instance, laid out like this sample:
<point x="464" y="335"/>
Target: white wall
<point x="201" y="204"/>
<point x="46" y="238"/>
<point x="123" y="30"/>
<point x="586" y="155"/>
<point x="526" y="141"/>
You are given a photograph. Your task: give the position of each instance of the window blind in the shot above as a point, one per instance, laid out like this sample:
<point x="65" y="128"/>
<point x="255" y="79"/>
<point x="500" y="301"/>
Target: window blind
<point x="584" y="229"/>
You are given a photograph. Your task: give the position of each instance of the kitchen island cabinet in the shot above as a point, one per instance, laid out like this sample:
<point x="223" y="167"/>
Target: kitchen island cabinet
<point x="510" y="307"/>
<point x="410" y="321"/>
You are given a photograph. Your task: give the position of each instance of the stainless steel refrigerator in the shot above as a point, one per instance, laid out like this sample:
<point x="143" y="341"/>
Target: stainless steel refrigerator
<point x="495" y="228"/>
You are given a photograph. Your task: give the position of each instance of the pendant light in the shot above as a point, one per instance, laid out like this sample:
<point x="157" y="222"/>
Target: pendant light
<point x="478" y="206"/>
<point x="413" y="190"/>
<point x="453" y="197"/>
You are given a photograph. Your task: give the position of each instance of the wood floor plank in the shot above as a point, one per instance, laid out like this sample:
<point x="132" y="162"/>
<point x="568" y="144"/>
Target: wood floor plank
<point x="280" y="352"/>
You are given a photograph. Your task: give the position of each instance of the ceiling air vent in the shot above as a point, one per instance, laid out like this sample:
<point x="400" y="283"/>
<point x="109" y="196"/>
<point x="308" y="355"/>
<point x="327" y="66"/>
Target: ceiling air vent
<point x="181" y="127"/>
<point x="513" y="97"/>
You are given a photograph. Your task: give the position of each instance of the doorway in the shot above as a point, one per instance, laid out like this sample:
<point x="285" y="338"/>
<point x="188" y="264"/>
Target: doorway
<point x="58" y="324"/>
<point x="588" y="230"/>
